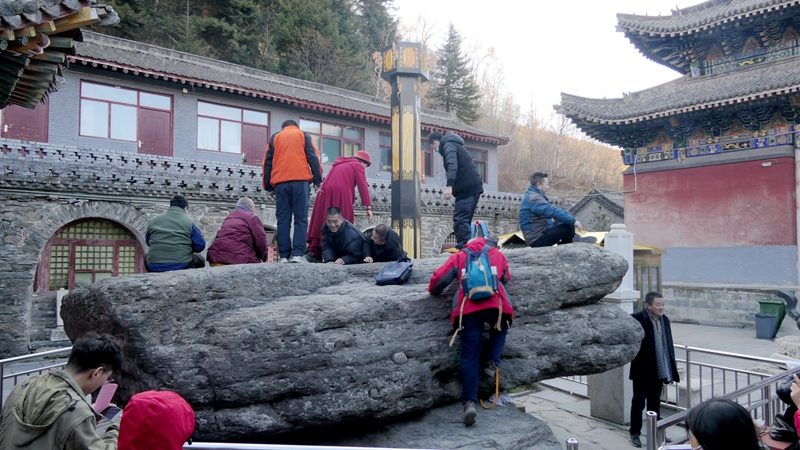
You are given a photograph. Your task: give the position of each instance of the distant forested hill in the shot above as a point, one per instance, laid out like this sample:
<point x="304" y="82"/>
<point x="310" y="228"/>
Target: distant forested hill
<point x="326" y="41"/>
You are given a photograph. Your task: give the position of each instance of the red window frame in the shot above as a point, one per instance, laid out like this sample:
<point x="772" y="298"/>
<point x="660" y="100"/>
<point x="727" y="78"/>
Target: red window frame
<point x="318" y="136"/>
<point x="386" y="152"/>
<point x="138" y="106"/>
<point x="242" y="122"/>
<point x="485" y="160"/>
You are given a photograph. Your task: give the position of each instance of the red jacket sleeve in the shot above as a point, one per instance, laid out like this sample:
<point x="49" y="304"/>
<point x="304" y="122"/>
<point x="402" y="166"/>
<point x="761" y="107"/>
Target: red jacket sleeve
<point x="444" y="275"/>
<point x="363" y="188"/>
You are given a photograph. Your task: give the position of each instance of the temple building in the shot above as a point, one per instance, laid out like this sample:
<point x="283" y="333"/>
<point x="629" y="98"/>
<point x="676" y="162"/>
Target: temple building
<point x="712" y="155"/>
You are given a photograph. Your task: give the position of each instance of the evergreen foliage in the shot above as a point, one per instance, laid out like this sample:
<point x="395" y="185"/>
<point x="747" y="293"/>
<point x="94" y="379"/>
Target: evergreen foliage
<point x="454" y="87"/>
<point x="326" y="41"/>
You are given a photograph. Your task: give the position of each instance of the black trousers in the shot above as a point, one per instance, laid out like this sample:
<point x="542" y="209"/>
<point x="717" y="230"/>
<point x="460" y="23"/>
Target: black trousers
<point x="462" y="218"/>
<point x="645" y="390"/>
<point x="557" y="234"/>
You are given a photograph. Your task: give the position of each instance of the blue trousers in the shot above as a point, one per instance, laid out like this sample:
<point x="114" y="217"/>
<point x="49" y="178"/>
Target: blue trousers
<point x="291" y="199"/>
<point x="462" y="218"/>
<point x="471" y="345"/>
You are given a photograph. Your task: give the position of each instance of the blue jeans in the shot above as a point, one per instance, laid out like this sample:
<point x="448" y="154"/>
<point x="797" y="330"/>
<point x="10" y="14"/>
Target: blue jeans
<point x="291" y="198"/>
<point x="471" y="345"/>
<point x="462" y="218"/>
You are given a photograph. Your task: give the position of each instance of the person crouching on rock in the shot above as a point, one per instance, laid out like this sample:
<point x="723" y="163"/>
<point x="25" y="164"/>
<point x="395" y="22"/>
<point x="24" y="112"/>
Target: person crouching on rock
<point x="342" y="242"/>
<point x="469" y="313"/>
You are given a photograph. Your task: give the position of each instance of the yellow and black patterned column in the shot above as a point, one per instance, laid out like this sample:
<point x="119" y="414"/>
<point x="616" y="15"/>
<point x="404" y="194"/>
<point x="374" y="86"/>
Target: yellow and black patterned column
<point x="405" y="67"/>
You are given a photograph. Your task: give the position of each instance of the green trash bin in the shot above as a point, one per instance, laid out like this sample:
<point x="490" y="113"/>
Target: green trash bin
<point x="774" y="306"/>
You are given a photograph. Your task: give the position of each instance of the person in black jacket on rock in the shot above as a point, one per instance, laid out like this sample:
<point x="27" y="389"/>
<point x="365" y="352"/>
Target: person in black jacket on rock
<point x="384" y="245"/>
<point x="463" y="181"/>
<point x="342" y="242"/>
<point x="654" y="365"/>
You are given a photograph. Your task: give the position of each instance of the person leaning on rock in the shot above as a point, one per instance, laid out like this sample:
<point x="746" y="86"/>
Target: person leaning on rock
<point x="543" y="224"/>
<point x="384" y="245"/>
<point x="156" y="420"/>
<point x="342" y="242"/>
<point x="51" y="411"/>
<point x="174" y="239"/>
<point x="468" y="317"/>
<point x="654" y="365"/>
<point x="241" y="239"/>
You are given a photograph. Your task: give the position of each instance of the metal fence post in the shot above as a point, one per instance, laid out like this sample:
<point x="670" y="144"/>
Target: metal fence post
<point x="768" y="406"/>
<point x="652" y="430"/>
<point x="689" y="380"/>
<point x="572" y="444"/>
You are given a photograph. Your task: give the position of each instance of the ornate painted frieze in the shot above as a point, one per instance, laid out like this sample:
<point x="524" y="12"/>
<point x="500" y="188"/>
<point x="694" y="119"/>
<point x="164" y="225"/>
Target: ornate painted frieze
<point x="750" y="57"/>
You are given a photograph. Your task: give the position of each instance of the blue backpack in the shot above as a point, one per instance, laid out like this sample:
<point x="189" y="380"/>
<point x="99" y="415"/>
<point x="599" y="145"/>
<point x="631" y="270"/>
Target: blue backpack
<point x="479" y="278"/>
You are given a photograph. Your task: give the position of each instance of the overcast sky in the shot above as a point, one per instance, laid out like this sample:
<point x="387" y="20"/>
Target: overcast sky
<point x="551" y="46"/>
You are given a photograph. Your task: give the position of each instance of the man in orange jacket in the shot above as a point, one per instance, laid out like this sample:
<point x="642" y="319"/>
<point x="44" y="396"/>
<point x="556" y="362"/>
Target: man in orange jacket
<point x="291" y="163"/>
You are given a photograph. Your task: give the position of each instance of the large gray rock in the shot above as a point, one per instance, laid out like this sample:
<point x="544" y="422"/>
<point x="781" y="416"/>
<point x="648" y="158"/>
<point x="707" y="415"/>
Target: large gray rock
<point x="272" y="348"/>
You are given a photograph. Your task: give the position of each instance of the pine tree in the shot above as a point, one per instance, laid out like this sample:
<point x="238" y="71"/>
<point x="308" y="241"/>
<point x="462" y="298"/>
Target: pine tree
<point x="377" y="26"/>
<point x="454" y="86"/>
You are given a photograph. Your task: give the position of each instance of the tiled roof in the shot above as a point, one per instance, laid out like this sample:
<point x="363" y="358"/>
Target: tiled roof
<point x="612" y="200"/>
<point x="150" y="60"/>
<point x="688" y="94"/>
<point x="700" y="17"/>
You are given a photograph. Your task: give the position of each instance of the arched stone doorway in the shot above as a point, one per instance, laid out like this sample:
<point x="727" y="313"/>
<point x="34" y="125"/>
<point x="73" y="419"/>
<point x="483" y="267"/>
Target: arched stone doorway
<point x="86" y="251"/>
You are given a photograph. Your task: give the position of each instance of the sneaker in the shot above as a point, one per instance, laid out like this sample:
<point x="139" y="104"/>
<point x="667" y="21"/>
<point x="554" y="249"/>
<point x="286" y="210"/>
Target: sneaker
<point x="667" y="440"/>
<point x="468" y="416"/>
<point x="584" y="239"/>
<point x="284" y="261"/>
<point x="490" y="369"/>
<point x="298" y="259"/>
<point x="635" y="441"/>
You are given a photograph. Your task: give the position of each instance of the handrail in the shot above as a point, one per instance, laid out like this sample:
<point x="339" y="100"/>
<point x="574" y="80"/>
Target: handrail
<point x="17" y="359"/>
<point x="779" y="362"/>
<point x="681" y="416"/>
<point x="222" y="446"/>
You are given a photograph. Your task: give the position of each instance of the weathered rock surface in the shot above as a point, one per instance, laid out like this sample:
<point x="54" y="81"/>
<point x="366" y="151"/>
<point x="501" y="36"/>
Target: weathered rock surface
<point x="505" y="428"/>
<point x="271" y="348"/>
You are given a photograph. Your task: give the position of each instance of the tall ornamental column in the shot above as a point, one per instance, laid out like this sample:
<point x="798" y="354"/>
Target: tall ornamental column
<point x="405" y="67"/>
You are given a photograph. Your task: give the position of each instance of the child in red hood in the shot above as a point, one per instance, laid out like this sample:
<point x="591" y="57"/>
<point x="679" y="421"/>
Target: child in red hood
<point x="155" y="420"/>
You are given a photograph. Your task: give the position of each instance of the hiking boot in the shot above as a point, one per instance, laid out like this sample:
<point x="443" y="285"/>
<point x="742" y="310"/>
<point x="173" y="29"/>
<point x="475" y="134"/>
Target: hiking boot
<point x="298" y="259"/>
<point x="584" y="239"/>
<point x="468" y="416"/>
<point x="635" y="441"/>
<point x="284" y="261"/>
<point x="490" y="369"/>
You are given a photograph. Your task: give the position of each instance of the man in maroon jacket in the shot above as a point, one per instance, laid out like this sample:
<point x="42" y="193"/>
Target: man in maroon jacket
<point x="241" y="239"/>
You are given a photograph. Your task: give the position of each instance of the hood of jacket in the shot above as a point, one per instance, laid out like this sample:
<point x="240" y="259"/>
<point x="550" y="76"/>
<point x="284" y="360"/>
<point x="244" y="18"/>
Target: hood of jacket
<point x="155" y="420"/>
<point x="43" y="402"/>
<point x="345" y="160"/>
<point x="450" y="137"/>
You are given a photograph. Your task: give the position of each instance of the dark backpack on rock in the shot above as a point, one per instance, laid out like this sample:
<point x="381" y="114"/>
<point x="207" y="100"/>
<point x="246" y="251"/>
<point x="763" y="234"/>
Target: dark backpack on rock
<point x="395" y="273"/>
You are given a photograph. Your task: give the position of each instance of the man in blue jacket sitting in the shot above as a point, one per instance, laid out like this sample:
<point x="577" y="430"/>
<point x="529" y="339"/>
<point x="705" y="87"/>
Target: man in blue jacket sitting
<point x="543" y="224"/>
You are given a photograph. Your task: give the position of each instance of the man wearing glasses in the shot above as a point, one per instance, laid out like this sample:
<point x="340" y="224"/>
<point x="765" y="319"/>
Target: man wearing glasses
<point x="51" y="411"/>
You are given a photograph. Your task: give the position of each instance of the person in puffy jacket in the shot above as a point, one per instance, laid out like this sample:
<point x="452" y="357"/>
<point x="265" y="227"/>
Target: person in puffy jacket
<point x="156" y="420"/>
<point x="175" y="241"/>
<point x="463" y="181"/>
<point x="342" y="242"/>
<point x="468" y="317"/>
<point x="543" y="224"/>
<point x="241" y="239"/>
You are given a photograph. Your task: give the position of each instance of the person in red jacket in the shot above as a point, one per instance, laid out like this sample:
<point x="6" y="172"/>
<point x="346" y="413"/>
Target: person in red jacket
<point x="155" y="420"/>
<point x="468" y="317"/>
<point x="338" y="190"/>
<point x="290" y="164"/>
<point x="241" y="239"/>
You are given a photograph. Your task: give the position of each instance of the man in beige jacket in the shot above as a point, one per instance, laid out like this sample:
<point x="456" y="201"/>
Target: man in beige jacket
<point x="51" y="411"/>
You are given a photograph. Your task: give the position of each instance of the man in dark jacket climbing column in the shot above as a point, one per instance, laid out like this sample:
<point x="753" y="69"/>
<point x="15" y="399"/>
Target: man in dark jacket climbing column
<point x="342" y="242"/>
<point x="463" y="181"/>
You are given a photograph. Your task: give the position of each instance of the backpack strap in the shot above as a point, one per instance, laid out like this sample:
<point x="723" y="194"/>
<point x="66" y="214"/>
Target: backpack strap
<point x="495" y="282"/>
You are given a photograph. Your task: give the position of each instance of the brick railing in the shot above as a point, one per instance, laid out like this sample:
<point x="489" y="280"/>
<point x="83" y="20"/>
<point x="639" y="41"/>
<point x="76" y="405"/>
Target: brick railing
<point x="63" y="169"/>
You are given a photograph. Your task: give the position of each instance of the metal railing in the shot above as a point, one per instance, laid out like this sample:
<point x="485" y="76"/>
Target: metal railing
<point x="759" y="399"/>
<point x="572" y="444"/>
<point x="24" y="373"/>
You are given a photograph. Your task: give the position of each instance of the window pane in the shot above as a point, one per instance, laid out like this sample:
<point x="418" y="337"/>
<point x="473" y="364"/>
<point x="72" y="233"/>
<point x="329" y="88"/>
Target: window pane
<point x="94" y="118"/>
<point x="477" y="154"/>
<point x="207" y="133"/>
<point x="256" y="117"/>
<point x="386" y="159"/>
<point x="481" y="170"/>
<point x="348" y="149"/>
<point x="352" y="133"/>
<point x="331" y="130"/>
<point x="101" y="276"/>
<point x="123" y="122"/>
<point x="386" y="140"/>
<point x="222" y="112"/>
<point x="331" y="149"/>
<point x="310" y="126"/>
<point x="114" y="94"/>
<point x="83" y="279"/>
<point x="231" y="137"/>
<point x="315" y="139"/>
<point x="428" y="163"/>
<point x="155" y="101"/>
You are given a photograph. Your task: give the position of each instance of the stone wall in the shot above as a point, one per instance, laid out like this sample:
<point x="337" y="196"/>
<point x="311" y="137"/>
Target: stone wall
<point x="46" y="187"/>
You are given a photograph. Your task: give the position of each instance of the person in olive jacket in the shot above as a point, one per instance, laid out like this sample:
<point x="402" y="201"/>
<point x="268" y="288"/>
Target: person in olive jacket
<point x="654" y="365"/>
<point x="342" y="242"/>
<point x="463" y="182"/>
